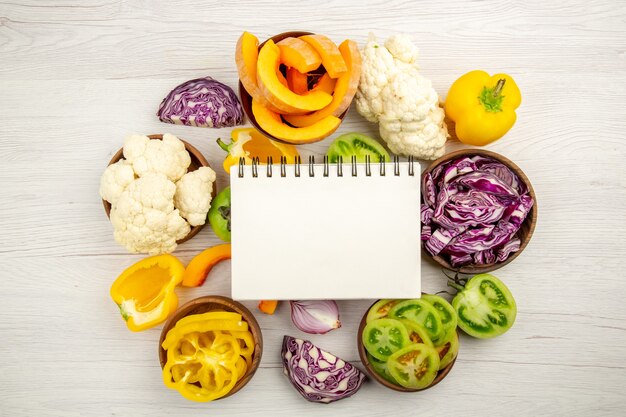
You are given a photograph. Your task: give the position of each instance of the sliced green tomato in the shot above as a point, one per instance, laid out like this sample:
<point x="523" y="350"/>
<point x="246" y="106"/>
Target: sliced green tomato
<point x="356" y="144"/>
<point x="420" y="312"/>
<point x="383" y="337"/>
<point x="485" y="307"/>
<point x="448" y="350"/>
<point x="414" y="366"/>
<point x="380" y="309"/>
<point x="447" y="314"/>
<point x="381" y="368"/>
<point x="417" y="332"/>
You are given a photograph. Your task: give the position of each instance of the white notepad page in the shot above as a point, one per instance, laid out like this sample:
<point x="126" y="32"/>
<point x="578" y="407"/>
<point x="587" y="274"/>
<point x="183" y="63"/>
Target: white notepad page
<point x="348" y="237"/>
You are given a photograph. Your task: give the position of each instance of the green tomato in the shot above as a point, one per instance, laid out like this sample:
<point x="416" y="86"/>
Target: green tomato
<point x="219" y="214"/>
<point x="381" y="368"/>
<point x="380" y="309"/>
<point x="383" y="337"/>
<point x="417" y="332"/>
<point x="356" y="144"/>
<point x="485" y="307"/>
<point x="448" y="349"/>
<point x="414" y="366"/>
<point x="421" y="312"/>
<point x="447" y="314"/>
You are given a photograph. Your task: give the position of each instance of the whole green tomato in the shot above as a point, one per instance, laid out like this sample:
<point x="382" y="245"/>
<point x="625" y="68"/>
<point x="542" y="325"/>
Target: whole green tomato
<point x="219" y="214"/>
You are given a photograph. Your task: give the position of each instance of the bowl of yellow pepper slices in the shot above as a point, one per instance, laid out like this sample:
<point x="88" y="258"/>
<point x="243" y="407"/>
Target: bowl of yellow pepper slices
<point x="210" y="348"/>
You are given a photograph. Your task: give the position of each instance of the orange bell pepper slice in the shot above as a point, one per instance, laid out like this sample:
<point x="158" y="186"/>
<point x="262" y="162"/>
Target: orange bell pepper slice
<point x="200" y="266"/>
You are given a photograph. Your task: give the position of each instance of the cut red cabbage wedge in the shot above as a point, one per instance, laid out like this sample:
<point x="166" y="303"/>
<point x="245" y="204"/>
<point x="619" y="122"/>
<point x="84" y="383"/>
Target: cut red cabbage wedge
<point x="317" y="375"/>
<point x="203" y="102"/>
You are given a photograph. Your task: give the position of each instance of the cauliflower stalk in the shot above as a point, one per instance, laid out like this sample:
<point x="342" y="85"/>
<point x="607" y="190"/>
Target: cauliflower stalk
<point x="393" y="93"/>
<point x="154" y="200"/>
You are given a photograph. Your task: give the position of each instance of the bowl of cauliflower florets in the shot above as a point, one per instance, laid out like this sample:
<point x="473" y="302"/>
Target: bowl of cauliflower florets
<point x="157" y="191"/>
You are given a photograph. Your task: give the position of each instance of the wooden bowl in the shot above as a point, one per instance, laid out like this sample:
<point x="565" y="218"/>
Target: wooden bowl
<point x="246" y="99"/>
<point x="524" y="233"/>
<point x="197" y="161"/>
<point x="216" y="302"/>
<point x="370" y="370"/>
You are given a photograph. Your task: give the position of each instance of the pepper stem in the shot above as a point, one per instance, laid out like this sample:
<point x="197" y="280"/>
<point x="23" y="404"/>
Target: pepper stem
<point x="223" y="145"/>
<point x="456" y="286"/>
<point x="499" y="87"/>
<point x="491" y="97"/>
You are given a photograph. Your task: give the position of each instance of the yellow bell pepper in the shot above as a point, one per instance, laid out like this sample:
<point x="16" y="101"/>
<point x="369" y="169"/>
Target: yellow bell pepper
<point x="482" y="106"/>
<point x="247" y="143"/>
<point x="144" y="292"/>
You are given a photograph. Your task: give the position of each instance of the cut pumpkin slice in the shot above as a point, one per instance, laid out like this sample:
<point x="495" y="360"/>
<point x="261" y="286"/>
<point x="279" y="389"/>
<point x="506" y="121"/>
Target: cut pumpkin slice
<point x="282" y="78"/>
<point x="246" y="56"/>
<point x="276" y="93"/>
<point x="273" y="125"/>
<point x="297" y="81"/>
<point x="331" y="57"/>
<point x="298" y="54"/>
<point x="344" y="92"/>
<point x="325" y="84"/>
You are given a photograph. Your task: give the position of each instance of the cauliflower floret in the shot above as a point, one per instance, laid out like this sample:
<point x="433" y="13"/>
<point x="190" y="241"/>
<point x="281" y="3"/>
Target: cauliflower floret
<point x="144" y="218"/>
<point x="193" y="195"/>
<point x="402" y="48"/>
<point x="414" y="138"/>
<point x="167" y="156"/>
<point x="115" y="180"/>
<point x="393" y="93"/>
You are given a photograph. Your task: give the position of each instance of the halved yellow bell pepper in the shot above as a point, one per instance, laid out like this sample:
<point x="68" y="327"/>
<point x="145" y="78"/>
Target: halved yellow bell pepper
<point x="247" y="143"/>
<point x="144" y="292"/>
<point x="482" y="106"/>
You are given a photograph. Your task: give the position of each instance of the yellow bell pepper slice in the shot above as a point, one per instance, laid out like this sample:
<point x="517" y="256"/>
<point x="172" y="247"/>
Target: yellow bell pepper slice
<point x="482" y="106"/>
<point x="248" y="143"/>
<point x="176" y="333"/>
<point x="144" y="292"/>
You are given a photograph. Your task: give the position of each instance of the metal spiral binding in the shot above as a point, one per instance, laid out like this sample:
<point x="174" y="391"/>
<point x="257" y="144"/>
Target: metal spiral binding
<point x="298" y="162"/>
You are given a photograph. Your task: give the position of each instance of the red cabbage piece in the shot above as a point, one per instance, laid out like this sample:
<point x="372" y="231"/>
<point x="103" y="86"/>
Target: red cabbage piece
<point x="479" y="204"/>
<point x="509" y="247"/>
<point x="440" y="238"/>
<point x="430" y="192"/>
<point x="486" y="182"/>
<point x="203" y="102"/>
<point x="318" y="376"/>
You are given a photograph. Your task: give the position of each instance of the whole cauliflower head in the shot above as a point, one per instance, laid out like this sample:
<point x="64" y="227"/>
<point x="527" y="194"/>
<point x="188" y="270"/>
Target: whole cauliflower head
<point x="115" y="179"/>
<point x="393" y="93"/>
<point x="193" y="195"/>
<point x="167" y="156"/>
<point x="144" y="218"/>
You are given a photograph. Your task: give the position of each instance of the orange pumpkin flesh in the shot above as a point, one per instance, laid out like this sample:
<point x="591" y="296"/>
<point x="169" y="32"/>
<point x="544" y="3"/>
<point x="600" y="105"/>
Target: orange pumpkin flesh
<point x="344" y="92"/>
<point x="276" y="93"/>
<point x="331" y="57"/>
<point x="273" y="125"/>
<point x="297" y="81"/>
<point x="298" y="54"/>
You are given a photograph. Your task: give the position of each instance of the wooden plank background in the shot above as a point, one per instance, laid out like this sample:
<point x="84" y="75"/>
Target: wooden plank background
<point x="77" y="76"/>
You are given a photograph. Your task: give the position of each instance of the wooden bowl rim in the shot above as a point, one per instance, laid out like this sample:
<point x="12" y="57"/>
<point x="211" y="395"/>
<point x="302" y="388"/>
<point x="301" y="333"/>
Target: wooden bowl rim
<point x="194" y="154"/>
<point x="441" y="374"/>
<point x="531" y="217"/>
<point x="246" y="99"/>
<point x="229" y="305"/>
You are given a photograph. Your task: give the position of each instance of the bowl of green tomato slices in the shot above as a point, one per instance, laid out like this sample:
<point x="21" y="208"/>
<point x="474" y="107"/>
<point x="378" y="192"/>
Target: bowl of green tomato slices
<point x="409" y="345"/>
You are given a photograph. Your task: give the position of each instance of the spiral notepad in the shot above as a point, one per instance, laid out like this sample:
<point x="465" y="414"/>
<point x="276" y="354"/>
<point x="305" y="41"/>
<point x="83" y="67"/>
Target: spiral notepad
<point x="325" y="231"/>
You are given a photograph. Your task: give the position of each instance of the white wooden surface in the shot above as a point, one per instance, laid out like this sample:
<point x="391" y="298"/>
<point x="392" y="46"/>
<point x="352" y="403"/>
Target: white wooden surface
<point x="76" y="77"/>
